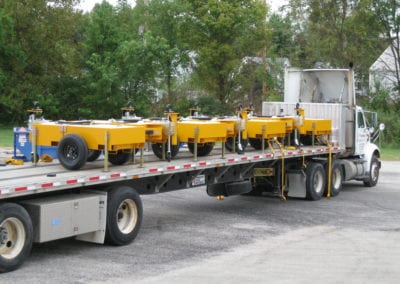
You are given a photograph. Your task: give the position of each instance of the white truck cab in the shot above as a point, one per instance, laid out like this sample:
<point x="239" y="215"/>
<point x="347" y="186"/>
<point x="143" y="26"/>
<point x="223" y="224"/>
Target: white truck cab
<point x="330" y="94"/>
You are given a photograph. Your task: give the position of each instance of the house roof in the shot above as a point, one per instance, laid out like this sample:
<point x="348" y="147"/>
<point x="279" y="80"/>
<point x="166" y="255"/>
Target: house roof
<point x="385" y="62"/>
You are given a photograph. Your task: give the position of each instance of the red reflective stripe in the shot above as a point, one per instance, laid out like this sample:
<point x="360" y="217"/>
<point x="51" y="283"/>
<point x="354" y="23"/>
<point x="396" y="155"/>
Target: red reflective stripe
<point x="202" y="163"/>
<point x="23" y="188"/>
<point x="153" y="170"/>
<point x="244" y="158"/>
<point x="72" y="181"/>
<point x="231" y="160"/>
<point x="186" y="166"/>
<point x="94" y="178"/>
<point x="115" y="175"/>
<point x="48" y="184"/>
<point x="170" y="168"/>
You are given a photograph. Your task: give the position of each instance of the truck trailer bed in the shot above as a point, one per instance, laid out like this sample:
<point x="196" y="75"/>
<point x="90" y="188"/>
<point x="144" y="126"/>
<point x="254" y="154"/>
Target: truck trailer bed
<point x="152" y="177"/>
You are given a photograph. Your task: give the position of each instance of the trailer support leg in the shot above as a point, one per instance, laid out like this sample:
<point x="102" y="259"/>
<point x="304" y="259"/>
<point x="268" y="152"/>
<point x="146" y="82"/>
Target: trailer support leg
<point x="106" y="141"/>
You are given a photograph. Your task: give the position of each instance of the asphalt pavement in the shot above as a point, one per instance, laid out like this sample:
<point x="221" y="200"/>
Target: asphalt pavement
<point x="188" y="237"/>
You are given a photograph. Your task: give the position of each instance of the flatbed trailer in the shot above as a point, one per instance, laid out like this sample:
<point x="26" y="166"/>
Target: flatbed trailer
<point x="102" y="204"/>
<point x="44" y="202"/>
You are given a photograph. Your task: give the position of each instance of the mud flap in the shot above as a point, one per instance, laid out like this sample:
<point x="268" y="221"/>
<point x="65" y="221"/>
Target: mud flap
<point x="296" y="185"/>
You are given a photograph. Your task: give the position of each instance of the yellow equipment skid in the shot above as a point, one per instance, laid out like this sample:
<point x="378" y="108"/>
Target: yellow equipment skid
<point x="267" y="128"/>
<point x="75" y="141"/>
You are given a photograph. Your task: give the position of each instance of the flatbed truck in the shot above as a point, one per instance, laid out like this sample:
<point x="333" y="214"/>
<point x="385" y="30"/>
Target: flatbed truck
<point x="44" y="202"/>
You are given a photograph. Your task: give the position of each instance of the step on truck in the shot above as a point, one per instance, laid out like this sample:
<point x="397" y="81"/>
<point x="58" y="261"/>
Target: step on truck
<point x="41" y="202"/>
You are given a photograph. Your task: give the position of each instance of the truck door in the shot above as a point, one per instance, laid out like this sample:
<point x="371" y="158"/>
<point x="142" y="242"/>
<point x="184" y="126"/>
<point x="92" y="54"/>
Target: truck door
<point x="361" y="133"/>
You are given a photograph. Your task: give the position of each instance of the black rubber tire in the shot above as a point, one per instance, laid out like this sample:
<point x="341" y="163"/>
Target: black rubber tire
<point x="373" y="175"/>
<point x="202" y="149"/>
<point x="255" y="143"/>
<point x="72" y="152"/>
<point x="306" y="140"/>
<point x="93" y="155"/>
<point x="157" y="150"/>
<point x="119" y="158"/>
<point x="229" y="145"/>
<point x="336" y="179"/>
<point x="216" y="189"/>
<point x="238" y="187"/>
<point x="315" y="181"/>
<point x="123" y="203"/>
<point x="257" y="190"/>
<point x="15" y="218"/>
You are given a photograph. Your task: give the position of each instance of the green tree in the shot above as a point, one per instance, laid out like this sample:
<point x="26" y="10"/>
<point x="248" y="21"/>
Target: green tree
<point x="163" y="19"/>
<point x="221" y="34"/>
<point x="43" y="31"/>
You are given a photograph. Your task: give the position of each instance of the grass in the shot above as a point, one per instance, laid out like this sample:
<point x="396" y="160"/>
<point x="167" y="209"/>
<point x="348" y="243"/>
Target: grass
<point x="6" y="136"/>
<point x="390" y="153"/>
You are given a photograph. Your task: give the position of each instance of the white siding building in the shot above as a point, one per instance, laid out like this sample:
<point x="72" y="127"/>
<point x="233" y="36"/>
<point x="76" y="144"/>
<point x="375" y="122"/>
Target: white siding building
<point x="382" y="73"/>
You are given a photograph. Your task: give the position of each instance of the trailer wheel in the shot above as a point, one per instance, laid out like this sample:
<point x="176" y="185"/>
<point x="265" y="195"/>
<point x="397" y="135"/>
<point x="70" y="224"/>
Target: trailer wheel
<point x="72" y="152"/>
<point x="124" y="215"/>
<point x="119" y="158"/>
<point x="202" y="149"/>
<point x="16" y="236"/>
<point x="336" y="179"/>
<point x="229" y="145"/>
<point x="373" y="175"/>
<point x="157" y="149"/>
<point x="93" y="155"/>
<point x="315" y="181"/>
<point x="255" y="143"/>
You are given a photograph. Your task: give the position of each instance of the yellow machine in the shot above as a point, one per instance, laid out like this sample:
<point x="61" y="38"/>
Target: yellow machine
<point x="165" y="134"/>
<point x="81" y="141"/>
<point x="200" y="133"/>
<point x="267" y="129"/>
<point x="236" y="137"/>
<point x="76" y="141"/>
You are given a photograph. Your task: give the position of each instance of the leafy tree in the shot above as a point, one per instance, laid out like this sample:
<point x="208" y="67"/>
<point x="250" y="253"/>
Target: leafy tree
<point x="221" y="34"/>
<point x="163" y="19"/>
<point x="43" y="33"/>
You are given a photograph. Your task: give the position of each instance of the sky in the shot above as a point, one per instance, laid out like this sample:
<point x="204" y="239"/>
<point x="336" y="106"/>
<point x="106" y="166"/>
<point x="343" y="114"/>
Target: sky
<point x="87" y="5"/>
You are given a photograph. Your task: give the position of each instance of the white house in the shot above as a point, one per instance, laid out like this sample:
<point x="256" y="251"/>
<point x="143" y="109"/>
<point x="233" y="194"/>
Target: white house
<point x="382" y="73"/>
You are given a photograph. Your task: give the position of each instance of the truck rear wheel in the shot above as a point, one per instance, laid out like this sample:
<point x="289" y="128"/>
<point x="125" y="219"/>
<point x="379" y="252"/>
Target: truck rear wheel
<point x="72" y="152"/>
<point x="315" y="181"/>
<point x="336" y="179"/>
<point x="124" y="215"/>
<point x="16" y="236"/>
<point x="373" y="175"/>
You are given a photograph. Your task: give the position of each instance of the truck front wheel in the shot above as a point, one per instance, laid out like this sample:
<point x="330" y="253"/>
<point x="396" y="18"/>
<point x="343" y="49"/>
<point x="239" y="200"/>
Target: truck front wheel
<point x="373" y="175"/>
<point x="16" y="236"/>
<point x="124" y="215"/>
